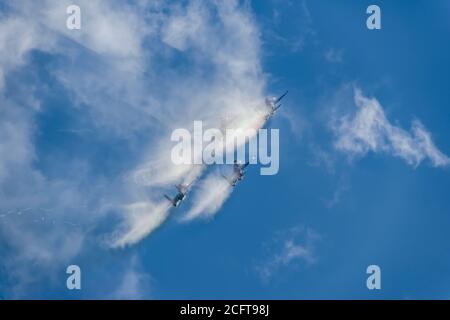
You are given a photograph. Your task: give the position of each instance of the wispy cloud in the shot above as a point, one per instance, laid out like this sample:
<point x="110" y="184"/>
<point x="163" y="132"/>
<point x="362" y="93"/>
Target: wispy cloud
<point x="288" y="248"/>
<point x="302" y="31"/>
<point x="369" y="130"/>
<point x="63" y="202"/>
<point x="342" y="187"/>
<point x="135" y="283"/>
<point x="334" y="55"/>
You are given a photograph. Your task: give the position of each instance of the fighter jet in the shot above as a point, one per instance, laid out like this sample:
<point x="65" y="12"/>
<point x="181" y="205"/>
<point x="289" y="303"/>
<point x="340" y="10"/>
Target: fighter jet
<point x="274" y="104"/>
<point x="238" y="173"/>
<point x="182" y="193"/>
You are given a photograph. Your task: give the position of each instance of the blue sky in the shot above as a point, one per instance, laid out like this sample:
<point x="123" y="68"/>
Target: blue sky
<point x="364" y="141"/>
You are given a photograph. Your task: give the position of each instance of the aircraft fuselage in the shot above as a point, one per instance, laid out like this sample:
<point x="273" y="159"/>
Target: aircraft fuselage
<point x="178" y="199"/>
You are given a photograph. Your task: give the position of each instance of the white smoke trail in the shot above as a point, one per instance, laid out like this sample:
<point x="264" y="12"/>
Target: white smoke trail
<point x="212" y="193"/>
<point x="225" y="38"/>
<point x="160" y="172"/>
<point x="142" y="218"/>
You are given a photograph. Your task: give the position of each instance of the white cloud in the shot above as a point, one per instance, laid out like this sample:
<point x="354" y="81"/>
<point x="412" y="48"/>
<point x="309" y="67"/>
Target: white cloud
<point x="287" y="248"/>
<point x="184" y="26"/>
<point x="119" y="75"/>
<point x="135" y="283"/>
<point x="17" y="37"/>
<point x="334" y="55"/>
<point x="369" y="130"/>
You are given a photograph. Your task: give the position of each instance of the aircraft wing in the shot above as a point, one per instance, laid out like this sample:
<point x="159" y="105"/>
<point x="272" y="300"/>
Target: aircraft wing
<point x="281" y="98"/>
<point x="232" y="181"/>
<point x="239" y="166"/>
<point x="170" y="199"/>
<point x="243" y="166"/>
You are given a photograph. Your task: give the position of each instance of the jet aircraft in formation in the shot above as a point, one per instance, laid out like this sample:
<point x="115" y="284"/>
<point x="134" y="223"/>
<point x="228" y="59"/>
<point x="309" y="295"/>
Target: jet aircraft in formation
<point x="238" y="168"/>
<point x="183" y="190"/>
<point x="238" y="173"/>
<point x="274" y="104"/>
